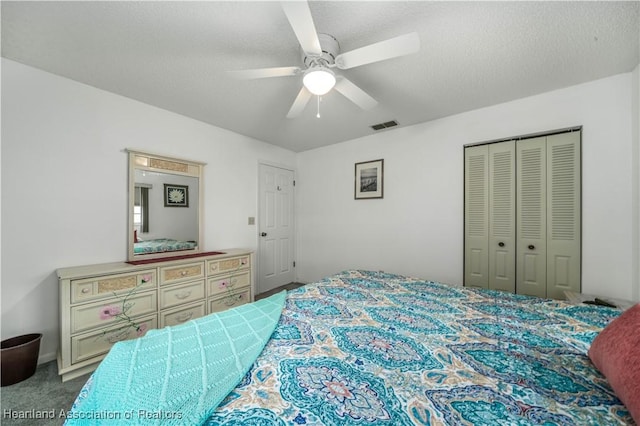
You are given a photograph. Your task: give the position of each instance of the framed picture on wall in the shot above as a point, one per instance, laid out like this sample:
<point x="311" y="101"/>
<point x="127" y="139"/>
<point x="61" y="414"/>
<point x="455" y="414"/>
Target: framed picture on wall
<point x="369" y="179"/>
<point x="176" y="195"/>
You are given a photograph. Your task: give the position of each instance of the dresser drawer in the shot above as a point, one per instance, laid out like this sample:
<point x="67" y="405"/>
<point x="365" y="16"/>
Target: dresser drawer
<point x="176" y="274"/>
<point x="101" y="287"/>
<point x="234" y="299"/>
<point x="181" y="294"/>
<point x="99" y="342"/>
<point x="182" y="314"/>
<point x="223" y="284"/>
<point x="226" y="265"/>
<point x="100" y="314"/>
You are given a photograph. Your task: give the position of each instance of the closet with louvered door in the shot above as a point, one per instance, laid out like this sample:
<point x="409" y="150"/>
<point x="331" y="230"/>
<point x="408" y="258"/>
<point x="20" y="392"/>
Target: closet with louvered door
<point x="522" y="215"/>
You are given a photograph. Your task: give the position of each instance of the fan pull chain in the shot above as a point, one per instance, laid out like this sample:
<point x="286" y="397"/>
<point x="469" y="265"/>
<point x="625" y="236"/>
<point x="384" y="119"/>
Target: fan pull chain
<point x="318" y="114"/>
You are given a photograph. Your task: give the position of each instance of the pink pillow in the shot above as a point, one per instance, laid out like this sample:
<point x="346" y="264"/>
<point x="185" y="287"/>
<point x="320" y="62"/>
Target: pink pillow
<point x="616" y="353"/>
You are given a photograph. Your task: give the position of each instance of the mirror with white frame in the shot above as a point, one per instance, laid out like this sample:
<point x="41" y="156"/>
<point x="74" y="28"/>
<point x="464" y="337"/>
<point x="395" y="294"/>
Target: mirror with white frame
<point x="165" y="206"/>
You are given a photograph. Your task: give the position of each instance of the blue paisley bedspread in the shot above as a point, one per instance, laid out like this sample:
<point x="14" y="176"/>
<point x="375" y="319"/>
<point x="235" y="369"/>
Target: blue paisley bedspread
<point x="161" y="245"/>
<point x="370" y="348"/>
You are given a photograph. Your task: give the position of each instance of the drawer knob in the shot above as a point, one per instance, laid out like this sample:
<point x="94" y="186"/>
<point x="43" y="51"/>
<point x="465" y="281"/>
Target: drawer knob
<point x="185" y="316"/>
<point x="231" y="300"/>
<point x="117" y="337"/>
<point x="86" y="290"/>
<point x="183" y="273"/>
<point x="183" y="295"/>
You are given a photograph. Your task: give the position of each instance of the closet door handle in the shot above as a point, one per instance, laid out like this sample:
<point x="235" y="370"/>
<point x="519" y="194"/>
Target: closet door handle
<point x="531" y="246"/>
<point x="501" y="244"/>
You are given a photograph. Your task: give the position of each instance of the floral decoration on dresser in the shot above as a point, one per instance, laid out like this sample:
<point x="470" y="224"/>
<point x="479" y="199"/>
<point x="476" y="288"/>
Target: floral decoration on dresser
<point x="228" y="284"/>
<point x="121" y="311"/>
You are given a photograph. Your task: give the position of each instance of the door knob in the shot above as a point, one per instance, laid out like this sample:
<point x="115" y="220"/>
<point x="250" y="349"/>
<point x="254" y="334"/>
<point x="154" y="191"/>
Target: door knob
<point x="264" y="234"/>
<point x="501" y="244"/>
<point x="531" y="246"/>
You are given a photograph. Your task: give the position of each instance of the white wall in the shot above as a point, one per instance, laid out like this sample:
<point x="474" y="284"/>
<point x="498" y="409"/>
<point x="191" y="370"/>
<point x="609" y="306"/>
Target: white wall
<point x="64" y="180"/>
<point x="64" y="185"/>
<point x="417" y="229"/>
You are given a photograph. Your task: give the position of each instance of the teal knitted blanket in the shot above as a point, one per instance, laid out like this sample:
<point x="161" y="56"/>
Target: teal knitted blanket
<point x="178" y="375"/>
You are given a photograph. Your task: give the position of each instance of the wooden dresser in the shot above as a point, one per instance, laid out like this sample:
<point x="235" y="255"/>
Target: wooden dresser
<point x="153" y="295"/>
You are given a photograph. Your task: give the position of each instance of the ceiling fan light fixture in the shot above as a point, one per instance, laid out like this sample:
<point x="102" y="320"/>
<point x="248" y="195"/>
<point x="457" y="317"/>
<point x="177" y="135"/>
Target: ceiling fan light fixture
<point x="319" y="80"/>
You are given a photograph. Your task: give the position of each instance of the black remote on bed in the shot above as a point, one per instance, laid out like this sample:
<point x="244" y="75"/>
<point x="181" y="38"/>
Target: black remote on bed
<point x="600" y="302"/>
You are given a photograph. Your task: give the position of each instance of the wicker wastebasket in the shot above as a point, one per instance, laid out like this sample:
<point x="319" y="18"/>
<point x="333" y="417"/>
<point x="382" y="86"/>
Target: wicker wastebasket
<point x="19" y="358"/>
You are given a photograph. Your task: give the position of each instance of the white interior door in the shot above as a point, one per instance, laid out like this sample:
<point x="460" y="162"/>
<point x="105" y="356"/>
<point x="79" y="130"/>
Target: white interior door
<point x="276" y="228"/>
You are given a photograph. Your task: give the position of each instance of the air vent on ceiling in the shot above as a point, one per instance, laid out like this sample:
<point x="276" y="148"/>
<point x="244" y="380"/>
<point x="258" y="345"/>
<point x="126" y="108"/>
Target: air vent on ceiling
<point x="385" y="125"/>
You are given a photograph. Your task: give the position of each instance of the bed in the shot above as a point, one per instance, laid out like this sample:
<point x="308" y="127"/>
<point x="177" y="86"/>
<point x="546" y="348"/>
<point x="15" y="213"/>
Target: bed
<point x="372" y="348"/>
<point x="160" y="245"/>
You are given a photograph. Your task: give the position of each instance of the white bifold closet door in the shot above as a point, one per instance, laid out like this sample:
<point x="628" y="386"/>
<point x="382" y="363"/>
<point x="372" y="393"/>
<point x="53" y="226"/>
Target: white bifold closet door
<point x="502" y="223"/>
<point x="531" y="265"/>
<point x="563" y="214"/>
<point x="490" y="233"/>
<point x="476" y="216"/>
<point x="522" y="215"/>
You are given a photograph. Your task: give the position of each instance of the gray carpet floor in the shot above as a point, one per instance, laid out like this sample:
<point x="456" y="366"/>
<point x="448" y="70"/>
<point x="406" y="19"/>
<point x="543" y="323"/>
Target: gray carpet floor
<point x="39" y="395"/>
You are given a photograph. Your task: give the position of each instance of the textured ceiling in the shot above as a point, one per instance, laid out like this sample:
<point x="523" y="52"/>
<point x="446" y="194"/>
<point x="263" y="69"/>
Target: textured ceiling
<point x="175" y="55"/>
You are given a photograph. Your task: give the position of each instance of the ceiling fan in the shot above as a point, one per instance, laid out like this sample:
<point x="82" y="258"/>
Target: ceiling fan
<point x="321" y="54"/>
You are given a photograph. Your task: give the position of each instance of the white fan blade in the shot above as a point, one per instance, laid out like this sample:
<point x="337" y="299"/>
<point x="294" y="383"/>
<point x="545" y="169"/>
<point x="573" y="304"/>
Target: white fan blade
<point x="299" y="16"/>
<point x="298" y="105"/>
<point x="392" y="48"/>
<point x="355" y="94"/>
<point x="265" y="73"/>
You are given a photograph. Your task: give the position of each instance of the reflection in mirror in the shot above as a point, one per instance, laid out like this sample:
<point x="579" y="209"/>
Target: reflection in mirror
<point x="141" y="208"/>
<point x="165" y="202"/>
<point x="158" y="224"/>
